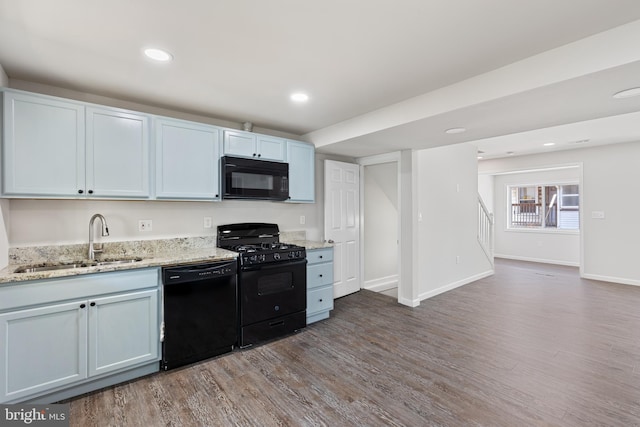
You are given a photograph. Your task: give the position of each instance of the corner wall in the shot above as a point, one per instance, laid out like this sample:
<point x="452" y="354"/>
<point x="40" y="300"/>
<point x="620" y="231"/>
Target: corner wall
<point x="449" y="254"/>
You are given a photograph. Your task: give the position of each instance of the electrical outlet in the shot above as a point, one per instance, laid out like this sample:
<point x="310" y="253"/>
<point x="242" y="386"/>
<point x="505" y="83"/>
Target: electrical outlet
<point x="144" y="225"/>
<point x="207" y="222"/>
<point x="303" y="219"/>
<point x="457" y="259"/>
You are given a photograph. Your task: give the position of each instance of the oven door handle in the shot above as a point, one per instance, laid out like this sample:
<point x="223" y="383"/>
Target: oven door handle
<point x="274" y="265"/>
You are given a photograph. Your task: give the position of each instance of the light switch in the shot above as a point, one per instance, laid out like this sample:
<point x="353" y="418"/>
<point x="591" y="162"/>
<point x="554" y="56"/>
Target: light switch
<point x="597" y="214"/>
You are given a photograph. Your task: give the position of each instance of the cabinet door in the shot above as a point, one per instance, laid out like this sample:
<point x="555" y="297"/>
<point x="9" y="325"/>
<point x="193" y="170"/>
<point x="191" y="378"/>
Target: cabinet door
<point x="43" y="145"/>
<point x="270" y="148"/>
<point x="238" y="143"/>
<point x="123" y="331"/>
<point x="301" y="158"/>
<point x="187" y="161"/>
<point x="117" y="154"/>
<point x="43" y="348"/>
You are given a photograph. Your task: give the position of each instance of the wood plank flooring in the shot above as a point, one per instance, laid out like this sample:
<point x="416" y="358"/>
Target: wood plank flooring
<point x="533" y="345"/>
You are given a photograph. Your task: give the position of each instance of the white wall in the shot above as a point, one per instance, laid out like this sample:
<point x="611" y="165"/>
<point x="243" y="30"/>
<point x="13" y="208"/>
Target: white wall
<point x="554" y="246"/>
<point x="449" y="254"/>
<point x="4" y="204"/>
<point x="49" y="222"/>
<point x="380" y="226"/>
<point x="610" y="183"/>
<point x="485" y="190"/>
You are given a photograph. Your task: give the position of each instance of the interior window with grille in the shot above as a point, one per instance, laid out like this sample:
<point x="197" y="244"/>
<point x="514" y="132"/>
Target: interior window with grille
<point x="544" y="207"/>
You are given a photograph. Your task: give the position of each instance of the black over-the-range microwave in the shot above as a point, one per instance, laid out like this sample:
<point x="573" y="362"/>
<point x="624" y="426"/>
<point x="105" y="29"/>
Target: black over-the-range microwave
<point x="254" y="179"/>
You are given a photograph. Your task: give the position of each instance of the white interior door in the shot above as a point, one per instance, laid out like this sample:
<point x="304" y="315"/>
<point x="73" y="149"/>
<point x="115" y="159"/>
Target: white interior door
<point x="342" y="224"/>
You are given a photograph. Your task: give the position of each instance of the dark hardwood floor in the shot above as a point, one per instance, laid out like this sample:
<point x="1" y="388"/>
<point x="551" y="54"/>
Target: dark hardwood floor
<point x="533" y="345"/>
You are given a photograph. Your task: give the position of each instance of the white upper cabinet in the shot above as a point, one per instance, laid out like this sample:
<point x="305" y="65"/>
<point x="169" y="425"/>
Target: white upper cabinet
<point x="62" y="149"/>
<point x="270" y="148"/>
<point x="117" y="153"/>
<point x="301" y="159"/>
<point x="187" y="160"/>
<point x="43" y="145"/>
<point x="247" y="144"/>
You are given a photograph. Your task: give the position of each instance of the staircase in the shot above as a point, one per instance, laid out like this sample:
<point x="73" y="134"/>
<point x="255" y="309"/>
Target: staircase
<point x="485" y="229"/>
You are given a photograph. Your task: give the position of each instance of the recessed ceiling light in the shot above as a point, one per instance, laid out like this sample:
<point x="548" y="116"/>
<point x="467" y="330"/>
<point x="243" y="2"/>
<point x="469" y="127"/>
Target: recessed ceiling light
<point x="480" y="157"/>
<point x="158" y="54"/>
<point x="299" y="97"/>
<point x="455" y="130"/>
<point x="580" y="141"/>
<point x="549" y="144"/>
<point x="627" y="93"/>
<point x="510" y="153"/>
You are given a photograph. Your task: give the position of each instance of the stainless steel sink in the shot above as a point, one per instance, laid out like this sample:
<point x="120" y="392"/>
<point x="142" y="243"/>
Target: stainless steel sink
<point x="77" y="264"/>
<point x="118" y="261"/>
<point x="39" y="268"/>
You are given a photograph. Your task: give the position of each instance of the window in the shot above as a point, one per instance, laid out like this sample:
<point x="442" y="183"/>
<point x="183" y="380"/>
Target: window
<point x="544" y="207"/>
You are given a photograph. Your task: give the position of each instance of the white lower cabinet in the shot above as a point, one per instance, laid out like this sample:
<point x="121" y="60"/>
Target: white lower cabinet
<point x="319" y="284"/>
<point x="59" y="345"/>
<point x="123" y="331"/>
<point x="45" y="348"/>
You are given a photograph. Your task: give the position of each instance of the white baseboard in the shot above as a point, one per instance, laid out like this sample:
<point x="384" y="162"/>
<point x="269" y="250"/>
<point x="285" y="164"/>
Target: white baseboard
<point x="409" y="302"/>
<point x="382" y="283"/>
<point x="454" y="285"/>
<point x="540" y="260"/>
<point x="620" y="280"/>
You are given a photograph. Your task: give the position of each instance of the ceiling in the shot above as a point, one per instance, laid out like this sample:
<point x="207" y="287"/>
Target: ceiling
<point x="381" y="76"/>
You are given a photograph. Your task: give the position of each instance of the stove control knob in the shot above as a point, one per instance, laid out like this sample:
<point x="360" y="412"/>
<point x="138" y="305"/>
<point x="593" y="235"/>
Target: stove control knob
<point x="276" y="256"/>
<point x="262" y="257"/>
<point x="253" y="258"/>
<point x="292" y="255"/>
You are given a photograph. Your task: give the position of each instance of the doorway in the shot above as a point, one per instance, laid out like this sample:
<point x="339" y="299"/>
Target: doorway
<point x="380" y="227"/>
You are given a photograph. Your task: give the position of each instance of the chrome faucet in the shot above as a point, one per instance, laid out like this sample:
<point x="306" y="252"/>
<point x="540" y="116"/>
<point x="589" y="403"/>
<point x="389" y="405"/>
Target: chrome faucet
<point x="95" y="248"/>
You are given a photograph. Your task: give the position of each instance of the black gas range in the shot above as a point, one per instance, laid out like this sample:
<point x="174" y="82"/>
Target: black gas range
<point x="272" y="281"/>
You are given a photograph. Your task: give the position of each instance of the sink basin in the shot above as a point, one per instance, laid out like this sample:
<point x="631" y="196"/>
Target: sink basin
<point x="77" y="264"/>
<point x="118" y="261"/>
<point x="39" y="268"/>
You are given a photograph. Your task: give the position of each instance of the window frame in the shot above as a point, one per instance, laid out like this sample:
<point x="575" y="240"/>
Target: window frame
<point x="508" y="227"/>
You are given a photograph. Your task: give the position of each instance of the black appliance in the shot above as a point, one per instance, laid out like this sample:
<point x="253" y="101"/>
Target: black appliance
<point x="254" y="179"/>
<point x="272" y="281"/>
<point x="200" y="312"/>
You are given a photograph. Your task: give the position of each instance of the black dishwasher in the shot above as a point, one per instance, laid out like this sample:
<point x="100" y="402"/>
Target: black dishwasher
<point x="199" y="311"/>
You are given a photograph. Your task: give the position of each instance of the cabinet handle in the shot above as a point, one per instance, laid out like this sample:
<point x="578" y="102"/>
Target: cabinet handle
<point x="320" y="256"/>
<point x="320" y="300"/>
<point x="217" y="195"/>
<point x="93" y="304"/>
<point x="254" y="154"/>
<point x="320" y="275"/>
<point x="82" y="306"/>
<point x="80" y="191"/>
<point x="259" y="155"/>
<point x="90" y="191"/>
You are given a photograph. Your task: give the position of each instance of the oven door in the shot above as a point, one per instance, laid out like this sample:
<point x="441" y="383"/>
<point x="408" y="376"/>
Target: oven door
<point x="254" y="179"/>
<point x="272" y="290"/>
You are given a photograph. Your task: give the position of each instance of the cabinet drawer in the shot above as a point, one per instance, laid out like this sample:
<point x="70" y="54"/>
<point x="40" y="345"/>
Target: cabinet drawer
<point x="320" y="255"/>
<point x="320" y="299"/>
<point x="319" y="275"/>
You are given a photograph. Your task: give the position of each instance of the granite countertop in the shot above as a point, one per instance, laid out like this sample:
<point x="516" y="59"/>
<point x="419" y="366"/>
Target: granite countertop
<point x="153" y="253"/>
<point x="310" y="244"/>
